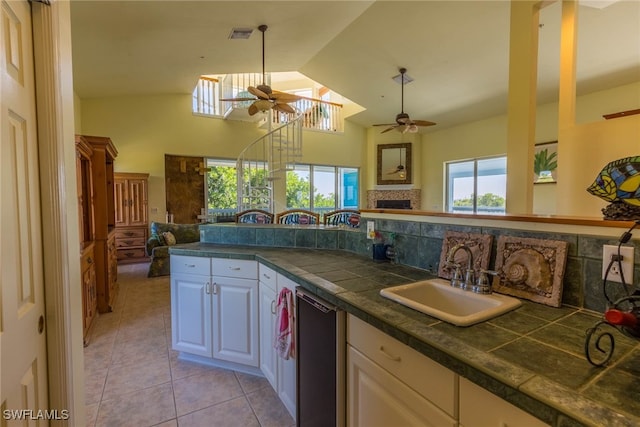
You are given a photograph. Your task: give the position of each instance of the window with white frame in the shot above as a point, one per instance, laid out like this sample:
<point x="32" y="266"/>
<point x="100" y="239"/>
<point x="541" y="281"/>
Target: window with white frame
<point x="476" y="185"/>
<point x="322" y="188"/>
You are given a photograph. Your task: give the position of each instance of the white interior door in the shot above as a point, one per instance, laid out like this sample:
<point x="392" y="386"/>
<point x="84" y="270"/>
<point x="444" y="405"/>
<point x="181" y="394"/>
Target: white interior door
<point x="22" y="337"/>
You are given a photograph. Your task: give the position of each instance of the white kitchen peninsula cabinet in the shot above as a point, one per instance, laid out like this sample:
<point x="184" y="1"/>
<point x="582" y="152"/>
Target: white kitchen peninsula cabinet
<point x="474" y="401"/>
<point x="280" y="373"/>
<point x="191" y="305"/>
<point x="214" y="309"/>
<point x="235" y="320"/>
<point x="388" y="383"/>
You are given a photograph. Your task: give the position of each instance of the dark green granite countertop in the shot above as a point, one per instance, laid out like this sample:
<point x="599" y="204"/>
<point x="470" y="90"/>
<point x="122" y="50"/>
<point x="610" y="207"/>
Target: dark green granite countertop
<point x="532" y="357"/>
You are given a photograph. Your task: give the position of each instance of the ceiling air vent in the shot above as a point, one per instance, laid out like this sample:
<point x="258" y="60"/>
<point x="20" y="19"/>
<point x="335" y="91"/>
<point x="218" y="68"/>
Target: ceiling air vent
<point x="240" y="33"/>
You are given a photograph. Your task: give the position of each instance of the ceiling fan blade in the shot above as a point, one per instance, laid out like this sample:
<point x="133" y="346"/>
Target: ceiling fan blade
<point x="390" y="128"/>
<point x="385" y="124"/>
<point x="284" y="97"/>
<point x="285" y="108"/>
<point x="423" y="123"/>
<point x="257" y="92"/>
<point x="238" y="99"/>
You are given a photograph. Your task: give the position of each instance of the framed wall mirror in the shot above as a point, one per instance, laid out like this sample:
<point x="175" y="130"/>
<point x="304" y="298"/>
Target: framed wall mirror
<point x="394" y="164"/>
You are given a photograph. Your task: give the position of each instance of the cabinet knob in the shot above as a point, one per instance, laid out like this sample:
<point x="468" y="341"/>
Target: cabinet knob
<point x="89" y="260"/>
<point x="267" y="276"/>
<point x="234" y="268"/>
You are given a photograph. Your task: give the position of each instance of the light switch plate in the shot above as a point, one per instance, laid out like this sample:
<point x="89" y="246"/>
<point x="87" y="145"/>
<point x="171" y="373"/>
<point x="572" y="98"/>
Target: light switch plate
<point x="371" y="231"/>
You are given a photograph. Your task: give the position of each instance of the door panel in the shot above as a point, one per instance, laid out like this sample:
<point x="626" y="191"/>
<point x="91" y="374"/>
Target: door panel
<point x="184" y="186"/>
<point x="22" y="336"/>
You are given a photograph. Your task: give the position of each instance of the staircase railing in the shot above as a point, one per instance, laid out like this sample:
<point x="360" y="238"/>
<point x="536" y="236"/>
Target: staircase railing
<point x="266" y="160"/>
<point x="317" y="115"/>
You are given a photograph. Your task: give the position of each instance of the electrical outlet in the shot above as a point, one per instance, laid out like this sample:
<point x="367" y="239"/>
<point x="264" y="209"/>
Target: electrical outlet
<point x="371" y="231"/>
<point x="627" y="263"/>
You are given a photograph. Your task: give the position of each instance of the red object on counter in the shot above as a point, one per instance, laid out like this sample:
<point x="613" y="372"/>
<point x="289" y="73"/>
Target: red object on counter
<point x="622" y="318"/>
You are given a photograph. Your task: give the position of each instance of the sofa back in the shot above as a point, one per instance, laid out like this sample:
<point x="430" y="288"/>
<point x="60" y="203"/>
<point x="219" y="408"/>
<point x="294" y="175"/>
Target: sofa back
<point x="184" y="233"/>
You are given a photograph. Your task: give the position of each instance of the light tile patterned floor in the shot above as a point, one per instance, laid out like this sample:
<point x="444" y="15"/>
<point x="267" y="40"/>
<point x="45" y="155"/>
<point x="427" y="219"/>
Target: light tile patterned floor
<point x="133" y="378"/>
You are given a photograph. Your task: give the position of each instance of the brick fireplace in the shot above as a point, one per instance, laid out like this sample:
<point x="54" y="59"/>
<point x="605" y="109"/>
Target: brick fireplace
<point x="395" y="197"/>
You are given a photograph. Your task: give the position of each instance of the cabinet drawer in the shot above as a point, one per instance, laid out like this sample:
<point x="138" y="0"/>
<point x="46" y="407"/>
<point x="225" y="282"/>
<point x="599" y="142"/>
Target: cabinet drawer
<point x="432" y="380"/>
<point x="190" y="264"/>
<point x="131" y="232"/>
<point x="86" y="260"/>
<point x="241" y="268"/>
<point x="128" y="253"/>
<point x="267" y="276"/>
<point x="127" y="242"/>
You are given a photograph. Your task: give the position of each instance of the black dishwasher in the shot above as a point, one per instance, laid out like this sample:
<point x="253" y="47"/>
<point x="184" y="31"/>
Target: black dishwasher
<point x="320" y="340"/>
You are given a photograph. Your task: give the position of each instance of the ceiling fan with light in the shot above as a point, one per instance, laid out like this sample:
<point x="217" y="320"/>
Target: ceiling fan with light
<point x="403" y="122"/>
<point x="266" y="98"/>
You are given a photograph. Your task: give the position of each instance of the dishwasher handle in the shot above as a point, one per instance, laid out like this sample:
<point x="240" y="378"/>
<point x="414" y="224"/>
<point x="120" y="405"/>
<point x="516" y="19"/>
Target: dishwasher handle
<point x="314" y="301"/>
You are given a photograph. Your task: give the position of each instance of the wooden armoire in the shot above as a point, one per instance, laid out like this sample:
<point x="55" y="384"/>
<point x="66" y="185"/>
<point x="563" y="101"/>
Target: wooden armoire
<point x="130" y="192"/>
<point x="96" y="213"/>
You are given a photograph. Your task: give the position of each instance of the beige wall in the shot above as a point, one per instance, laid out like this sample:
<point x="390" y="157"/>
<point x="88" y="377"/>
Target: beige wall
<point x="489" y="138"/>
<point x="145" y="128"/>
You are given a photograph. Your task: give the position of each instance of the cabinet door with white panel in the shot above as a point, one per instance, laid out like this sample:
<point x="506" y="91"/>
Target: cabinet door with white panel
<point x="234" y="290"/>
<point x="389" y="383"/>
<point x="191" y="305"/>
<point x="474" y="401"/>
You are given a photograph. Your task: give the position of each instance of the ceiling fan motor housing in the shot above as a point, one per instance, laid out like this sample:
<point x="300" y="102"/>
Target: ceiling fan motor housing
<point x="402" y="118"/>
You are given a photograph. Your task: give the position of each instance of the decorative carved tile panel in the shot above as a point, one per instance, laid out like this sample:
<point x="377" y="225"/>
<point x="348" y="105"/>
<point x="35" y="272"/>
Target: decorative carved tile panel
<point x="479" y="244"/>
<point x="532" y="269"/>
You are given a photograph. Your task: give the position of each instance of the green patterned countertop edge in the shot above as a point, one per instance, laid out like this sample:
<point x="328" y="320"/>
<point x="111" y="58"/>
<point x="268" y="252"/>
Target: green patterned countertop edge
<point x="528" y="357"/>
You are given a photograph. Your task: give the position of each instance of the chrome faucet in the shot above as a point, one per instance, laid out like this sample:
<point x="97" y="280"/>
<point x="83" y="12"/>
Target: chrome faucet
<point x="457" y="280"/>
<point x="482" y="285"/>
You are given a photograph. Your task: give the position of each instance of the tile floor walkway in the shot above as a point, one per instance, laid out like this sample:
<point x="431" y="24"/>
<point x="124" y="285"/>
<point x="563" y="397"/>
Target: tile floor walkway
<point x="133" y="378"/>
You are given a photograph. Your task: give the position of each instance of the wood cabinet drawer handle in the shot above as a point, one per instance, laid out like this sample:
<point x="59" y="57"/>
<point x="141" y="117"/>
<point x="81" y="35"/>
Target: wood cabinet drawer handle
<point x="390" y="356"/>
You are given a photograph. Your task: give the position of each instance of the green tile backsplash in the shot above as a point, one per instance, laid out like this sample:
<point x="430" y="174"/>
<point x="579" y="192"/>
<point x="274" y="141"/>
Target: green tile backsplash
<point x="418" y="244"/>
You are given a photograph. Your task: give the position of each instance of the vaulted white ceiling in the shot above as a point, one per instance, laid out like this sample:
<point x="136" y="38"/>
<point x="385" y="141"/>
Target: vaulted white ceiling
<point x="456" y="51"/>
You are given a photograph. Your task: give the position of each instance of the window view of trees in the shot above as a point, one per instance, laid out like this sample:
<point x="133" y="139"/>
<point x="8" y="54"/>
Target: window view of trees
<point x="485" y="177"/>
<point x="299" y="193"/>
<point x="488" y="200"/>
<point x="318" y="188"/>
<point x="222" y="187"/>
